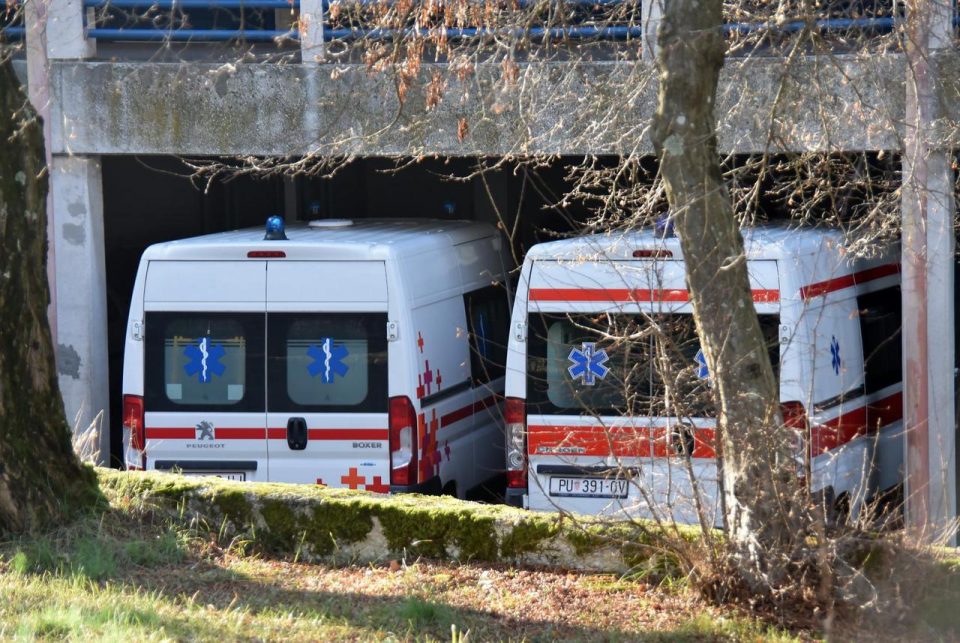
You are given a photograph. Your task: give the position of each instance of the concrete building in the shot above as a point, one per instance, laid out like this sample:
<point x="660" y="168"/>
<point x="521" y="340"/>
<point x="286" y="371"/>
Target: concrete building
<point x="122" y="105"/>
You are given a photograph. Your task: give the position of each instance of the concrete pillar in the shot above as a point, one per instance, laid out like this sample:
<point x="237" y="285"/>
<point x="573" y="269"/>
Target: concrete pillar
<point x="65" y="33"/>
<point x="291" y="199"/>
<point x="75" y="259"/>
<point x="928" y="273"/>
<point x="651" y="12"/>
<point x="81" y="313"/>
<point x="38" y="90"/>
<point x="311" y="31"/>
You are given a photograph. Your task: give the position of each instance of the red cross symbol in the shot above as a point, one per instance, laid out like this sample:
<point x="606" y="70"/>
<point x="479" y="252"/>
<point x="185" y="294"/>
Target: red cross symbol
<point x="353" y="479"/>
<point x="420" y="392"/>
<point x="428" y="376"/>
<point x="377" y="486"/>
<point x="439" y="379"/>
<point x="420" y="341"/>
<point x="321" y="482"/>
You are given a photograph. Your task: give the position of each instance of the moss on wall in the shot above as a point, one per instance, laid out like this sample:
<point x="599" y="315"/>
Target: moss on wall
<point x="315" y="523"/>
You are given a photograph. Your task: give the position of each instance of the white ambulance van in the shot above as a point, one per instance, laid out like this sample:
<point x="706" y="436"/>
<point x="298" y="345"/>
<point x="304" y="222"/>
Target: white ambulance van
<point x="608" y="405"/>
<point x="364" y="354"/>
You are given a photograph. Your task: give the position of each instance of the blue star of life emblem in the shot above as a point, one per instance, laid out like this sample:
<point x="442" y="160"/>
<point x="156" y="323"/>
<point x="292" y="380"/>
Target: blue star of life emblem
<point x="204" y="360"/>
<point x="702" y="371"/>
<point x="327" y="360"/>
<point x="588" y="363"/>
<point x="835" y="354"/>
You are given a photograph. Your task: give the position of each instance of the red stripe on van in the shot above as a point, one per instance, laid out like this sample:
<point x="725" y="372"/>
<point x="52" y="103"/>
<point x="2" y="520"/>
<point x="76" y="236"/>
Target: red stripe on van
<point x="170" y="433"/>
<point x="631" y="295"/>
<point x="280" y="433"/>
<point x="640" y="442"/>
<point x="602" y="441"/>
<point x="885" y="411"/>
<point x="467" y="411"/>
<point x="846" y="281"/>
<point x="848" y="426"/>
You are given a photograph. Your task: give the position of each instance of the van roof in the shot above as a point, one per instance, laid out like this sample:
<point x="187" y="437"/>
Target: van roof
<point x="357" y="240"/>
<point x="771" y="241"/>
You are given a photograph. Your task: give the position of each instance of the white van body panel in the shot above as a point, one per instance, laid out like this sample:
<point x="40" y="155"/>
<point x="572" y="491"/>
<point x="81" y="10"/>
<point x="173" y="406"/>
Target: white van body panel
<point x="205" y="285"/>
<point x="802" y="276"/>
<point x="406" y="279"/>
<point x="312" y="288"/>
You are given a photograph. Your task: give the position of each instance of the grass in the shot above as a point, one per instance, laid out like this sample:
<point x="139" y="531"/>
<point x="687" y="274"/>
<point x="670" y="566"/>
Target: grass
<point x="256" y="601"/>
<point x="128" y="575"/>
<point x="136" y="572"/>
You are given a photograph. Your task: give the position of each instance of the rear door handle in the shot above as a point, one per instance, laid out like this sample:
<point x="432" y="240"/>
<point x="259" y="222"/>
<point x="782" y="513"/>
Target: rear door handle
<point x="297" y="434"/>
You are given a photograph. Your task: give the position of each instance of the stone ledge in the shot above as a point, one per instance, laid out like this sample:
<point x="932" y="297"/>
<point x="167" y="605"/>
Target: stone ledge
<point x="344" y="526"/>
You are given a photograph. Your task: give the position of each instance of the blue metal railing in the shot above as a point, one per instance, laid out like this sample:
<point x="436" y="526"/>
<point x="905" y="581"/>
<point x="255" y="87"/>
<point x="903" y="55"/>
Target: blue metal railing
<point x="824" y="24"/>
<point x="535" y="33"/>
<point x="14" y="32"/>
<point x="264" y="32"/>
<point x="120" y="34"/>
<point x="211" y="33"/>
<point x="13" y="16"/>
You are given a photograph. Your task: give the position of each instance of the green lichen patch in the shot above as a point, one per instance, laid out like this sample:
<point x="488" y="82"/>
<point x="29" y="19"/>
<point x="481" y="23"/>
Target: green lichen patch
<point x="308" y="522"/>
<point x="332" y="525"/>
<point x="530" y="535"/>
<point x="234" y="506"/>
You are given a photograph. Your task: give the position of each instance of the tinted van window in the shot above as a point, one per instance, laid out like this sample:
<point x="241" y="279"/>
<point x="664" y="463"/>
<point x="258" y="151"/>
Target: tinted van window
<point x="488" y="315"/>
<point x="204" y="360"/>
<point x="327" y="362"/>
<point x="616" y="364"/>
<point x="880" y="321"/>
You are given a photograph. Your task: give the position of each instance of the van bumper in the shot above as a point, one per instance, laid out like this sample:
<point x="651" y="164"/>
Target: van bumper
<point x="429" y="488"/>
<point x="516" y="497"/>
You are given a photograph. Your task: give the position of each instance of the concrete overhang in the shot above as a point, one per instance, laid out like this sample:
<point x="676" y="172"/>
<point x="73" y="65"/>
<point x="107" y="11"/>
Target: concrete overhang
<point x="816" y="103"/>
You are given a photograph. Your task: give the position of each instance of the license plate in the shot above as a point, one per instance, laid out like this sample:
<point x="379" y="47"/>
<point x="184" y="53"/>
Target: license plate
<point x="226" y="475"/>
<point x="566" y="487"/>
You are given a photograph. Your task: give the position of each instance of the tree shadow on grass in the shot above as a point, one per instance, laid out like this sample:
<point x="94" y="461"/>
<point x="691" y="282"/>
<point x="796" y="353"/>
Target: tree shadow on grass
<point x="413" y="615"/>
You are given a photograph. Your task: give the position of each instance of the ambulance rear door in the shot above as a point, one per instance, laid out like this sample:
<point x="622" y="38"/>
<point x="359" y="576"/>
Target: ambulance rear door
<point x="327" y="373"/>
<point x="204" y="368"/>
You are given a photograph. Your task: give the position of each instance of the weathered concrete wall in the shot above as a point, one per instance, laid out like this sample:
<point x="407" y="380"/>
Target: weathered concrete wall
<point x="321" y="524"/>
<point x="813" y="103"/>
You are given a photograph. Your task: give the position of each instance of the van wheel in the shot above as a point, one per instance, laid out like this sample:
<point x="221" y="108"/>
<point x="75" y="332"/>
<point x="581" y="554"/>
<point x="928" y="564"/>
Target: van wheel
<point x="449" y="489"/>
<point x="887" y="509"/>
<point x="825" y="505"/>
<point x="840" y="513"/>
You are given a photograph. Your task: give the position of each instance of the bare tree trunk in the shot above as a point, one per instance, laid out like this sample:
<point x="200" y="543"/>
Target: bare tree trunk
<point x="41" y="478"/>
<point x="758" y="470"/>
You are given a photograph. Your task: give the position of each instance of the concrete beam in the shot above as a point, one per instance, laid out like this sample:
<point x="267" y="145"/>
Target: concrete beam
<point x="817" y="103"/>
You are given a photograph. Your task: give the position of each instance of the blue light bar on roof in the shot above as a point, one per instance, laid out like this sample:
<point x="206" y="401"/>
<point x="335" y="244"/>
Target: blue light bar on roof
<point x="275" y="229"/>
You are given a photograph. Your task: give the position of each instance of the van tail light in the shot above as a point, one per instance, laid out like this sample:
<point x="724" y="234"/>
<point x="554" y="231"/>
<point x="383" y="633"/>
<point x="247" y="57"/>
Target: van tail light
<point x="403" y="441"/>
<point x="134" y="433"/>
<point x="515" y="413"/>
<point x="795" y="417"/>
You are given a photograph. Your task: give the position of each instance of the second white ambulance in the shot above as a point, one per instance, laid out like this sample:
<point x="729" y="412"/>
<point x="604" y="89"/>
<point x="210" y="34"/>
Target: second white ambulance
<point x="359" y="354"/>
<point x="608" y="402"/>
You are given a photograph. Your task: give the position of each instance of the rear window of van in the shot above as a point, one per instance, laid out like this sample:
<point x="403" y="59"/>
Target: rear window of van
<point x="621" y="364"/>
<point x="326" y="362"/>
<point x="204" y="360"/>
